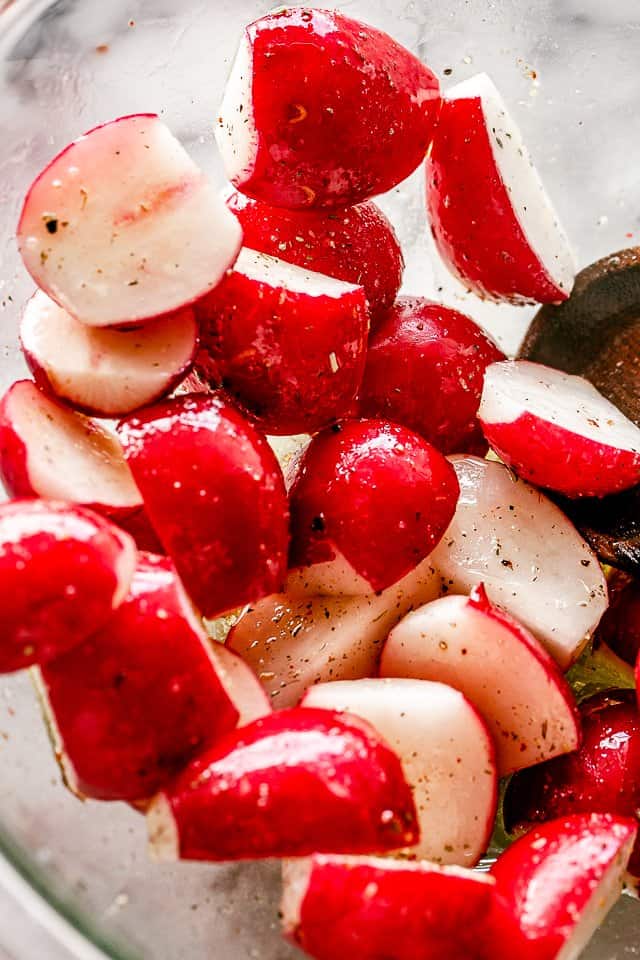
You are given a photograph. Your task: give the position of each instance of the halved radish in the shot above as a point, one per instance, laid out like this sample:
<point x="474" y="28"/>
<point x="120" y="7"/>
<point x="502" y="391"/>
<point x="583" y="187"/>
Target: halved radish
<point x="287" y="343"/>
<point x="287" y="785"/>
<point x="294" y="641"/>
<point x="64" y="571"/>
<point x="447" y="755"/>
<point x="241" y="683"/>
<point x="367" y="908"/>
<point x="323" y="111"/>
<point x="557" y="431"/>
<point x="372" y="496"/>
<point x="48" y="450"/>
<point x="533" y="563"/>
<point x="505" y="672"/>
<point x="122" y="226"/>
<point x="357" y="245"/>
<point x="105" y="372"/>
<point x="491" y="218"/>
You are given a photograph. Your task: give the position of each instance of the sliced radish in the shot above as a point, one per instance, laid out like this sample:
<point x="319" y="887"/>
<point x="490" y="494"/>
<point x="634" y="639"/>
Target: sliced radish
<point x="311" y="92"/>
<point x="289" y="344"/>
<point x="530" y="558"/>
<point x="242" y="685"/>
<point x="122" y="226"/>
<point x="105" y="372"/>
<point x="215" y="495"/>
<point x="491" y="218"/>
<point x="471" y="645"/>
<point x="367" y="908"/>
<point x="447" y="755"/>
<point x="64" y="571"/>
<point x="374" y="497"/>
<point x="425" y="367"/>
<point x="48" y="450"/>
<point x="294" y="641"/>
<point x="287" y="785"/>
<point x="559" y="882"/>
<point x="357" y="245"/>
<point x="557" y="431"/>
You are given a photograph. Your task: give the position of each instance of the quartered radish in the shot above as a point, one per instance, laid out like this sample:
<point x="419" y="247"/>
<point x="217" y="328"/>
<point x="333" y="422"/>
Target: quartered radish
<point x="374" y="498"/>
<point x="215" y="496"/>
<point x="287" y="785"/>
<point x="130" y="707"/>
<point x="287" y="343"/>
<point x="105" y="372"/>
<point x="48" y="450"/>
<point x="492" y="221"/>
<point x="533" y="563"/>
<point x="323" y="111"/>
<point x="504" y="671"/>
<point x="447" y="755"/>
<point x="425" y="367"/>
<point x="295" y="640"/>
<point x="357" y="245"/>
<point x="122" y="226"/>
<point x="241" y="683"/>
<point x="64" y="571"/>
<point x="557" y="431"/>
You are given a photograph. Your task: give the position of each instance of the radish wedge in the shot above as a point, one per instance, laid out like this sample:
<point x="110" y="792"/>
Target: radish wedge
<point x="557" y="431"/>
<point x="503" y="670"/>
<point x="48" y="450"/>
<point x="105" y="372"/>
<point x="122" y="226"/>
<point x="492" y="221"/>
<point x="447" y="755"/>
<point x="242" y="685"/>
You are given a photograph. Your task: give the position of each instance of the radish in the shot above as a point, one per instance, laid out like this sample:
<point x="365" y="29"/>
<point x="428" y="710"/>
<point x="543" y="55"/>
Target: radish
<point x="357" y="245"/>
<point x="620" y="626"/>
<point x="48" y="450"/>
<point x="293" y="641"/>
<point x="425" y="367"/>
<point x="287" y="343"/>
<point x="122" y="226"/>
<point x="372" y="496"/>
<point x="367" y="908"/>
<point x="557" y="431"/>
<point x="290" y="784"/>
<point x="559" y="882"/>
<point x="142" y="697"/>
<point x="64" y="571"/>
<point x="492" y="221"/>
<point x="447" y="754"/>
<point x="473" y="646"/>
<point x="323" y="111"/>
<point x="530" y="558"/>
<point x="215" y="495"/>
<point x="603" y="776"/>
<point x="105" y="372"/>
<point x="242" y="685"/>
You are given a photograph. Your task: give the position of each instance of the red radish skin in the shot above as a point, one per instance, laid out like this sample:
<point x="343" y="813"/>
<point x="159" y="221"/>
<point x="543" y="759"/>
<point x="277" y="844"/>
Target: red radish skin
<point x="620" y="626"/>
<point x="603" y="776"/>
<point x="105" y="372"/>
<point x="369" y="908"/>
<point x="374" y="493"/>
<point x="425" y="368"/>
<point x="310" y="94"/>
<point x="504" y="671"/>
<point x="64" y="571"/>
<point x="559" y="882"/>
<point x="357" y="245"/>
<point x="492" y="221"/>
<point x="557" y="431"/>
<point x="140" y="698"/>
<point x="288" y="785"/>
<point x="288" y="344"/>
<point x="215" y="496"/>
<point x="139" y="527"/>
<point x="122" y="226"/>
<point x="48" y="450"/>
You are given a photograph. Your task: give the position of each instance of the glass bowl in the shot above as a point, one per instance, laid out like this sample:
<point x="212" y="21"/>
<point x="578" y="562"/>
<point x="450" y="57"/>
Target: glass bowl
<point x="75" y="877"/>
